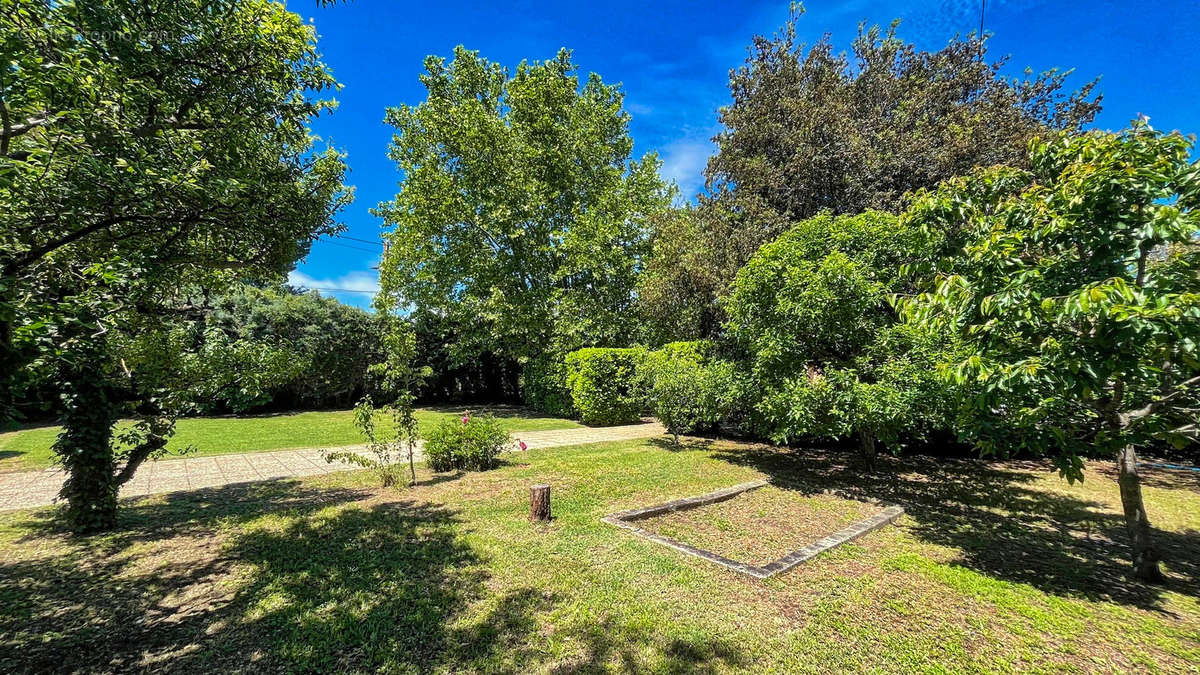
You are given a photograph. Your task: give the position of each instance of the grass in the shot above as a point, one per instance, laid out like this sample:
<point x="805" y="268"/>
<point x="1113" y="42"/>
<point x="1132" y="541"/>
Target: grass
<point x="762" y="525"/>
<point x="997" y="567"/>
<point x="29" y="448"/>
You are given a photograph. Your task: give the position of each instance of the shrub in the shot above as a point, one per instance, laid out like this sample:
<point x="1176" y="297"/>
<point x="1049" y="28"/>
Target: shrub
<point x="686" y="394"/>
<point x="470" y="444"/>
<point x="606" y="384"/>
<point x="544" y="386"/>
<point x="826" y="358"/>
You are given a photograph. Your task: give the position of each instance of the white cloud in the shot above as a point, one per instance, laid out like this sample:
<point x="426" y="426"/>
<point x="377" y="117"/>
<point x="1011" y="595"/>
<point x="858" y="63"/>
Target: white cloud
<point x="639" y="108"/>
<point x="684" y="161"/>
<point x="358" y="283"/>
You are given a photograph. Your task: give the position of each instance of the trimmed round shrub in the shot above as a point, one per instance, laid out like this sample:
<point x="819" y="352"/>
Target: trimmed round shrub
<point x="686" y="394"/>
<point x="470" y="445"/>
<point x="606" y="384"/>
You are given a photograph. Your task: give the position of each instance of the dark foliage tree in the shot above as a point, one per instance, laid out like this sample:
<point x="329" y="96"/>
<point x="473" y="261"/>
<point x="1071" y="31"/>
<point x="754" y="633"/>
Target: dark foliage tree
<point x="484" y="377"/>
<point x="811" y="130"/>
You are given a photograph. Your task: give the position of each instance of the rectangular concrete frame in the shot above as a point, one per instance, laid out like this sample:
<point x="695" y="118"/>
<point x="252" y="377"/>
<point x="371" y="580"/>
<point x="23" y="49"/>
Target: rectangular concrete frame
<point x="625" y="520"/>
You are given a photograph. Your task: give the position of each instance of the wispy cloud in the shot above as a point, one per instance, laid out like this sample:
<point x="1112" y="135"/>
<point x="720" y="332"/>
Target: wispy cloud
<point x="359" y="283"/>
<point x="639" y="108"/>
<point x="684" y="161"/>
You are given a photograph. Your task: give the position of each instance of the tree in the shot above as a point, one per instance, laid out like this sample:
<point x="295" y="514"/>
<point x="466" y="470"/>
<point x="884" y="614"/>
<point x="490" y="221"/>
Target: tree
<point x="521" y="217"/>
<point x="677" y="288"/>
<point x="398" y="378"/>
<point x="810" y="130"/>
<point x="146" y="150"/>
<point x="810" y="314"/>
<point x="331" y="344"/>
<point x="1074" y="286"/>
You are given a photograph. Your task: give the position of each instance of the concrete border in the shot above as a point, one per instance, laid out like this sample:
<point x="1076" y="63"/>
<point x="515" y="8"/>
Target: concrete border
<point x="626" y="519"/>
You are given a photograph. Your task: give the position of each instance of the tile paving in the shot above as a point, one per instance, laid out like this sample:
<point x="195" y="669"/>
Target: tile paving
<point x="25" y="489"/>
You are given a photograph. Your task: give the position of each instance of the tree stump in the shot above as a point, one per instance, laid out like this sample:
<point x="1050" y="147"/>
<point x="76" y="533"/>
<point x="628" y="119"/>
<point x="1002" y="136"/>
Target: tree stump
<point x="539" y="503"/>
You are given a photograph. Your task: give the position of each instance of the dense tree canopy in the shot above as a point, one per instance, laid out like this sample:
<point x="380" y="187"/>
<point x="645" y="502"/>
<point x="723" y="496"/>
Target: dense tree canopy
<point x="331" y="344"/>
<point x="811" y="130"/>
<point x="810" y="315"/>
<point x="146" y="150"/>
<point x="521" y="217"/>
<point x="1075" y="288"/>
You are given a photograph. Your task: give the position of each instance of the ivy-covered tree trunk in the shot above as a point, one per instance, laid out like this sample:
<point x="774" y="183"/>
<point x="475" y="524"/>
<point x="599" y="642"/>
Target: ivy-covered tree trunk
<point x="85" y="448"/>
<point x="1145" y="556"/>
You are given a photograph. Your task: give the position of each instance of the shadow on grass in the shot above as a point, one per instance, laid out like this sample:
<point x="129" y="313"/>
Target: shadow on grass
<point x="279" y="576"/>
<point x="610" y="646"/>
<point x="1003" y="525"/>
<point x="256" y="577"/>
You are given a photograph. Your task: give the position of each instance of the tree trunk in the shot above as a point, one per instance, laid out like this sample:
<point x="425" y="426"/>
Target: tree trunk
<point x="539" y="503"/>
<point x="1145" y="556"/>
<point x="85" y="448"/>
<point x="412" y="466"/>
<point x="8" y="369"/>
<point x="866" y="448"/>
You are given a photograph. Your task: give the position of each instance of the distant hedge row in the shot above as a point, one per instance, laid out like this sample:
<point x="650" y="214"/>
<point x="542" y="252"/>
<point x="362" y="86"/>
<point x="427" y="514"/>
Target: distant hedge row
<point x="680" y="383"/>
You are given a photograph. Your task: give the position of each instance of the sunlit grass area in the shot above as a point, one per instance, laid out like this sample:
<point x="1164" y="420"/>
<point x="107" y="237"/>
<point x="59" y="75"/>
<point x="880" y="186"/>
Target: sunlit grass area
<point x="29" y="448"/>
<point x="994" y="567"/>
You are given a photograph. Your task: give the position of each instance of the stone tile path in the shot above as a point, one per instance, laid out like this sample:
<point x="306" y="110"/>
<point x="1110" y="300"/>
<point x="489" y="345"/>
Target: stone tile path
<point x="39" y="488"/>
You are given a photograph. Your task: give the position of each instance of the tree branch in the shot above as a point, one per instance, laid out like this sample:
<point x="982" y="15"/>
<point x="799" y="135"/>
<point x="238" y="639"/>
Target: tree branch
<point x="1156" y="405"/>
<point x="34" y="254"/>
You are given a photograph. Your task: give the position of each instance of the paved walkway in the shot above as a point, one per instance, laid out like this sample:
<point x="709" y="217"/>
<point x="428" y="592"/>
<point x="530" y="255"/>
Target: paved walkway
<point x="39" y="488"/>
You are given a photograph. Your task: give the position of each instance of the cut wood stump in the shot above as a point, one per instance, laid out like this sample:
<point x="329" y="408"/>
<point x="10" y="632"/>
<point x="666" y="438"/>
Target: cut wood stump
<point x="539" y="503"/>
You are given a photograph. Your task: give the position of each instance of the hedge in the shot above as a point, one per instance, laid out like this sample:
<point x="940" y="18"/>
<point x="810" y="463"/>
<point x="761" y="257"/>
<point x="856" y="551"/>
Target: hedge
<point x="606" y="385"/>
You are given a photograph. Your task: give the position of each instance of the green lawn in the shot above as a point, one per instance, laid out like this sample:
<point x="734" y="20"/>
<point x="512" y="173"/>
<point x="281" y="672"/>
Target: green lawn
<point x="30" y="448"/>
<point x="994" y="567"/>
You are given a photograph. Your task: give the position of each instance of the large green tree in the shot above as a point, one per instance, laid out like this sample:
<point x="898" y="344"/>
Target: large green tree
<point x="521" y="217"/>
<point x="1076" y="287"/>
<point x="820" y="343"/>
<point x="146" y="150"/>
<point x="812" y="130"/>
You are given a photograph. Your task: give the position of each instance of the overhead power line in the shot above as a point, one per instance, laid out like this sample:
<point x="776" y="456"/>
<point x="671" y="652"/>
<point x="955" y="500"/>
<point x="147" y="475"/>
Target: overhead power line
<point x="337" y="290"/>
<point x="365" y="241"/>
<point x="356" y="248"/>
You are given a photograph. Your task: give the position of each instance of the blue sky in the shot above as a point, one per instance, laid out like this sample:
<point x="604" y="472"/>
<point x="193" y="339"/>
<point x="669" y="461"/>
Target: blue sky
<point x="673" y="59"/>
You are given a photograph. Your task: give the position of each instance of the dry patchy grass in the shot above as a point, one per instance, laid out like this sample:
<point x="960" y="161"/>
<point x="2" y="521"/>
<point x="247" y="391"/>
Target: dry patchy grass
<point x="761" y="525"/>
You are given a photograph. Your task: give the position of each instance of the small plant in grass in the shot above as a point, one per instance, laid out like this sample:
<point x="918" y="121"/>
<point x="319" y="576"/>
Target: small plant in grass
<point x="470" y="444"/>
<point x="384" y="453"/>
<point x="398" y="377"/>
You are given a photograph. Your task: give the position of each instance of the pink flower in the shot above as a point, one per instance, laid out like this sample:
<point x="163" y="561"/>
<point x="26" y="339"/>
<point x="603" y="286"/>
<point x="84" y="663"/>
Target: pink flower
<point x="522" y="444"/>
<point x="467" y="417"/>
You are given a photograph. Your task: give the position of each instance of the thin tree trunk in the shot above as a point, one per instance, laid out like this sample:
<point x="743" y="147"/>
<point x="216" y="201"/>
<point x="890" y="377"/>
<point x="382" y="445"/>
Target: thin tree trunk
<point x="412" y="467"/>
<point x="1145" y="556"/>
<point x="866" y="448"/>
